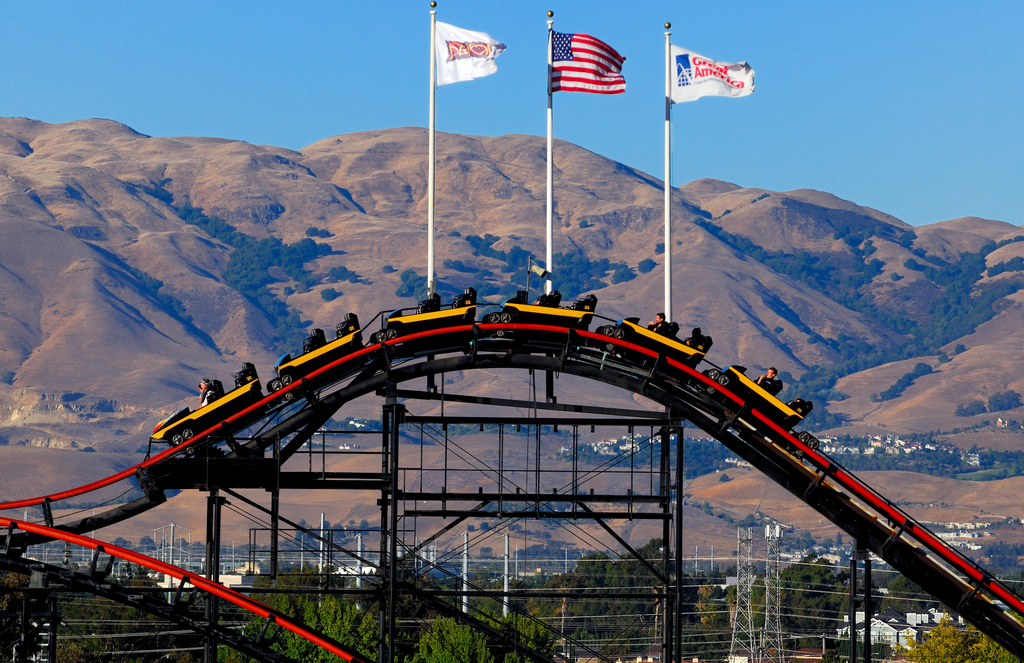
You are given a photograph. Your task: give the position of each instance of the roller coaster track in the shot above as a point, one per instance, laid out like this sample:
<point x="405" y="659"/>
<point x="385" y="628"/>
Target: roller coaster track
<point x="874" y="521"/>
<point x="176" y="610"/>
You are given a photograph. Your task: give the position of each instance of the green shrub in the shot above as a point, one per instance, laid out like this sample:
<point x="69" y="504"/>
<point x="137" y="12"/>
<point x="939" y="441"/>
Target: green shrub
<point x="905" y="381"/>
<point x="622" y="274"/>
<point x="159" y="192"/>
<point x="459" y="266"/>
<point x="1004" y="400"/>
<point x="342" y="273"/>
<point x="413" y="285"/>
<point x="1015" y="264"/>
<point x="971" y="409"/>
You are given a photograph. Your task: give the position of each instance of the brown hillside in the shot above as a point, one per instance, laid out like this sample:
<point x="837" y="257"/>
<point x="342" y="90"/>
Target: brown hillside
<point x="87" y="232"/>
<point x="931" y="500"/>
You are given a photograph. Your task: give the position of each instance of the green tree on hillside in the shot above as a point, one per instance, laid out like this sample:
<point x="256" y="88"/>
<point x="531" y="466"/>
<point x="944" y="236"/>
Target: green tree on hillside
<point x="811" y="589"/>
<point x="447" y="641"/>
<point x="249" y="265"/>
<point x="948" y="644"/>
<point x="1004" y="400"/>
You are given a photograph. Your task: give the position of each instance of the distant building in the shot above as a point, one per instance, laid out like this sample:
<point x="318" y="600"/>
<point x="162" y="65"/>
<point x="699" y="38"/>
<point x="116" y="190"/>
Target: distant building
<point x="893" y="627"/>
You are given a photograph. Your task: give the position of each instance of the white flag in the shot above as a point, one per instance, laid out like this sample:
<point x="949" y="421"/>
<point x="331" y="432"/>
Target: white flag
<point x="463" y="55"/>
<point x="697" y="76"/>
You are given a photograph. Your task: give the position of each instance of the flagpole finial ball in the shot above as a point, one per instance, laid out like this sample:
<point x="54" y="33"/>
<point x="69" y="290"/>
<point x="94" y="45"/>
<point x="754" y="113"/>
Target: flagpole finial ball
<point x="432" y="4"/>
<point x="668" y="26"/>
<point x="550" y="14"/>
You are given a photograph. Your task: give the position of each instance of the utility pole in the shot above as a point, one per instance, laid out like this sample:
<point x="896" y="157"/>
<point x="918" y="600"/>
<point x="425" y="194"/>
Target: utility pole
<point x="465" y="573"/>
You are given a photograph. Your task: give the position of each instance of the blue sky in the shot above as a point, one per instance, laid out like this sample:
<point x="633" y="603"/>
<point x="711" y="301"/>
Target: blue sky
<point x="912" y="108"/>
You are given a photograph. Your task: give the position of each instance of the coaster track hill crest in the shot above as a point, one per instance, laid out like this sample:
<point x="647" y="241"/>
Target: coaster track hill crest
<point x="244" y="438"/>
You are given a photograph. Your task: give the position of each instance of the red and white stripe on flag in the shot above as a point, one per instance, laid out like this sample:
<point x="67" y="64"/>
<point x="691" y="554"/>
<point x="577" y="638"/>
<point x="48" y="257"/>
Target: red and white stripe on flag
<point x="581" y="63"/>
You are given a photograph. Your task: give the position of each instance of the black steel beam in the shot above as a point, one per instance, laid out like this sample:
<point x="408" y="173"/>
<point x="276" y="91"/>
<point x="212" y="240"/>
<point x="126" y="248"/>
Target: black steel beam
<point x="539" y="515"/>
<point x="529" y="498"/>
<point x="642" y="415"/>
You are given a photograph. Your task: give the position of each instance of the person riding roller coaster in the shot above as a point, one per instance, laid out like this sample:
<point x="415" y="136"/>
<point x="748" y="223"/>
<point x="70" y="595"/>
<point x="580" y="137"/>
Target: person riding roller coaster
<point x="208" y="392"/>
<point x="659" y="325"/>
<point x="769" y="382"/>
<point x="663" y="327"/>
<point x="205" y="390"/>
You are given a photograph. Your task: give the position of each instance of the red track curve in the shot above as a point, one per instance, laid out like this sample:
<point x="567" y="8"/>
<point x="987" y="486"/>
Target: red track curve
<point x="213" y="588"/>
<point x="835" y="473"/>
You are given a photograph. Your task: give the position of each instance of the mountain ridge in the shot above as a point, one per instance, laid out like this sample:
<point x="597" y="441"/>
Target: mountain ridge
<point x="102" y="276"/>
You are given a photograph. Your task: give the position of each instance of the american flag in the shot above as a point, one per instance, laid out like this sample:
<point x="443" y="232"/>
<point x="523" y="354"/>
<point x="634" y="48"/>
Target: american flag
<point x="581" y="63"/>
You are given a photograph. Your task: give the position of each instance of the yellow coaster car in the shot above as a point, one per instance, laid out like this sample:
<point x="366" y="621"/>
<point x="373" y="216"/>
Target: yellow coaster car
<point x="735" y="380"/>
<point x="546" y="311"/>
<point x="429" y="315"/>
<point x="689" y="351"/>
<point x="184" y="423"/>
<point x="317" y="353"/>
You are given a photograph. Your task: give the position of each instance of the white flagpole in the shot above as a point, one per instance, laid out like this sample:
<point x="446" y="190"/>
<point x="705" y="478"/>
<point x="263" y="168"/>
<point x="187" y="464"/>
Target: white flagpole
<point x="431" y="286"/>
<point x="668" y="174"/>
<point x="551" y="200"/>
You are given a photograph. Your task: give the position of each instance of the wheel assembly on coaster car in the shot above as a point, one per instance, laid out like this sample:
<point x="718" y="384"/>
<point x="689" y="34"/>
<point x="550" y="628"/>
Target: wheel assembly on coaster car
<point x="500" y="317"/>
<point x="384" y="335"/>
<point x="719" y="377"/>
<point x="613" y="332"/>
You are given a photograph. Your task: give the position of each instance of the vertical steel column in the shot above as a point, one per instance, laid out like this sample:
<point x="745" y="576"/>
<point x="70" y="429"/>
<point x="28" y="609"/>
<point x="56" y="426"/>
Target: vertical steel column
<point x="678" y="598"/>
<point x="275" y="508"/>
<point x="392" y="415"/>
<point x="383" y="628"/>
<point x="213" y="505"/>
<point x="22" y="655"/>
<point x="51" y="649"/>
<point x="665" y="492"/>
<point x="867" y="606"/>
<point x="505" y="585"/>
<point x="853" y="603"/>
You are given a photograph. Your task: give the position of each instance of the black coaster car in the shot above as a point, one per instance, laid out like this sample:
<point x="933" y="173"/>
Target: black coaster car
<point x="689" y="351"/>
<point x="546" y="311"/>
<point x="184" y="423"/>
<point x="317" y="352"/>
<point x="735" y="380"/>
<point x="429" y="315"/>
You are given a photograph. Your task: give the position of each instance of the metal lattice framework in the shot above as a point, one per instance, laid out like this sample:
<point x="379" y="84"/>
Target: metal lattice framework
<point x="231" y="456"/>
<point x="771" y="641"/>
<point x="744" y="636"/>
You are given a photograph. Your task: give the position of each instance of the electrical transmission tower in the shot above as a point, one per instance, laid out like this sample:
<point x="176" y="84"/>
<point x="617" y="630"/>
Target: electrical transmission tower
<point x="743" y="634"/>
<point x="771" y="636"/>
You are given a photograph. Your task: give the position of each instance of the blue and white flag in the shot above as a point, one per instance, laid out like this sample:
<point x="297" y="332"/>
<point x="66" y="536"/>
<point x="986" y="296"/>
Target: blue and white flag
<point x="696" y="76"/>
